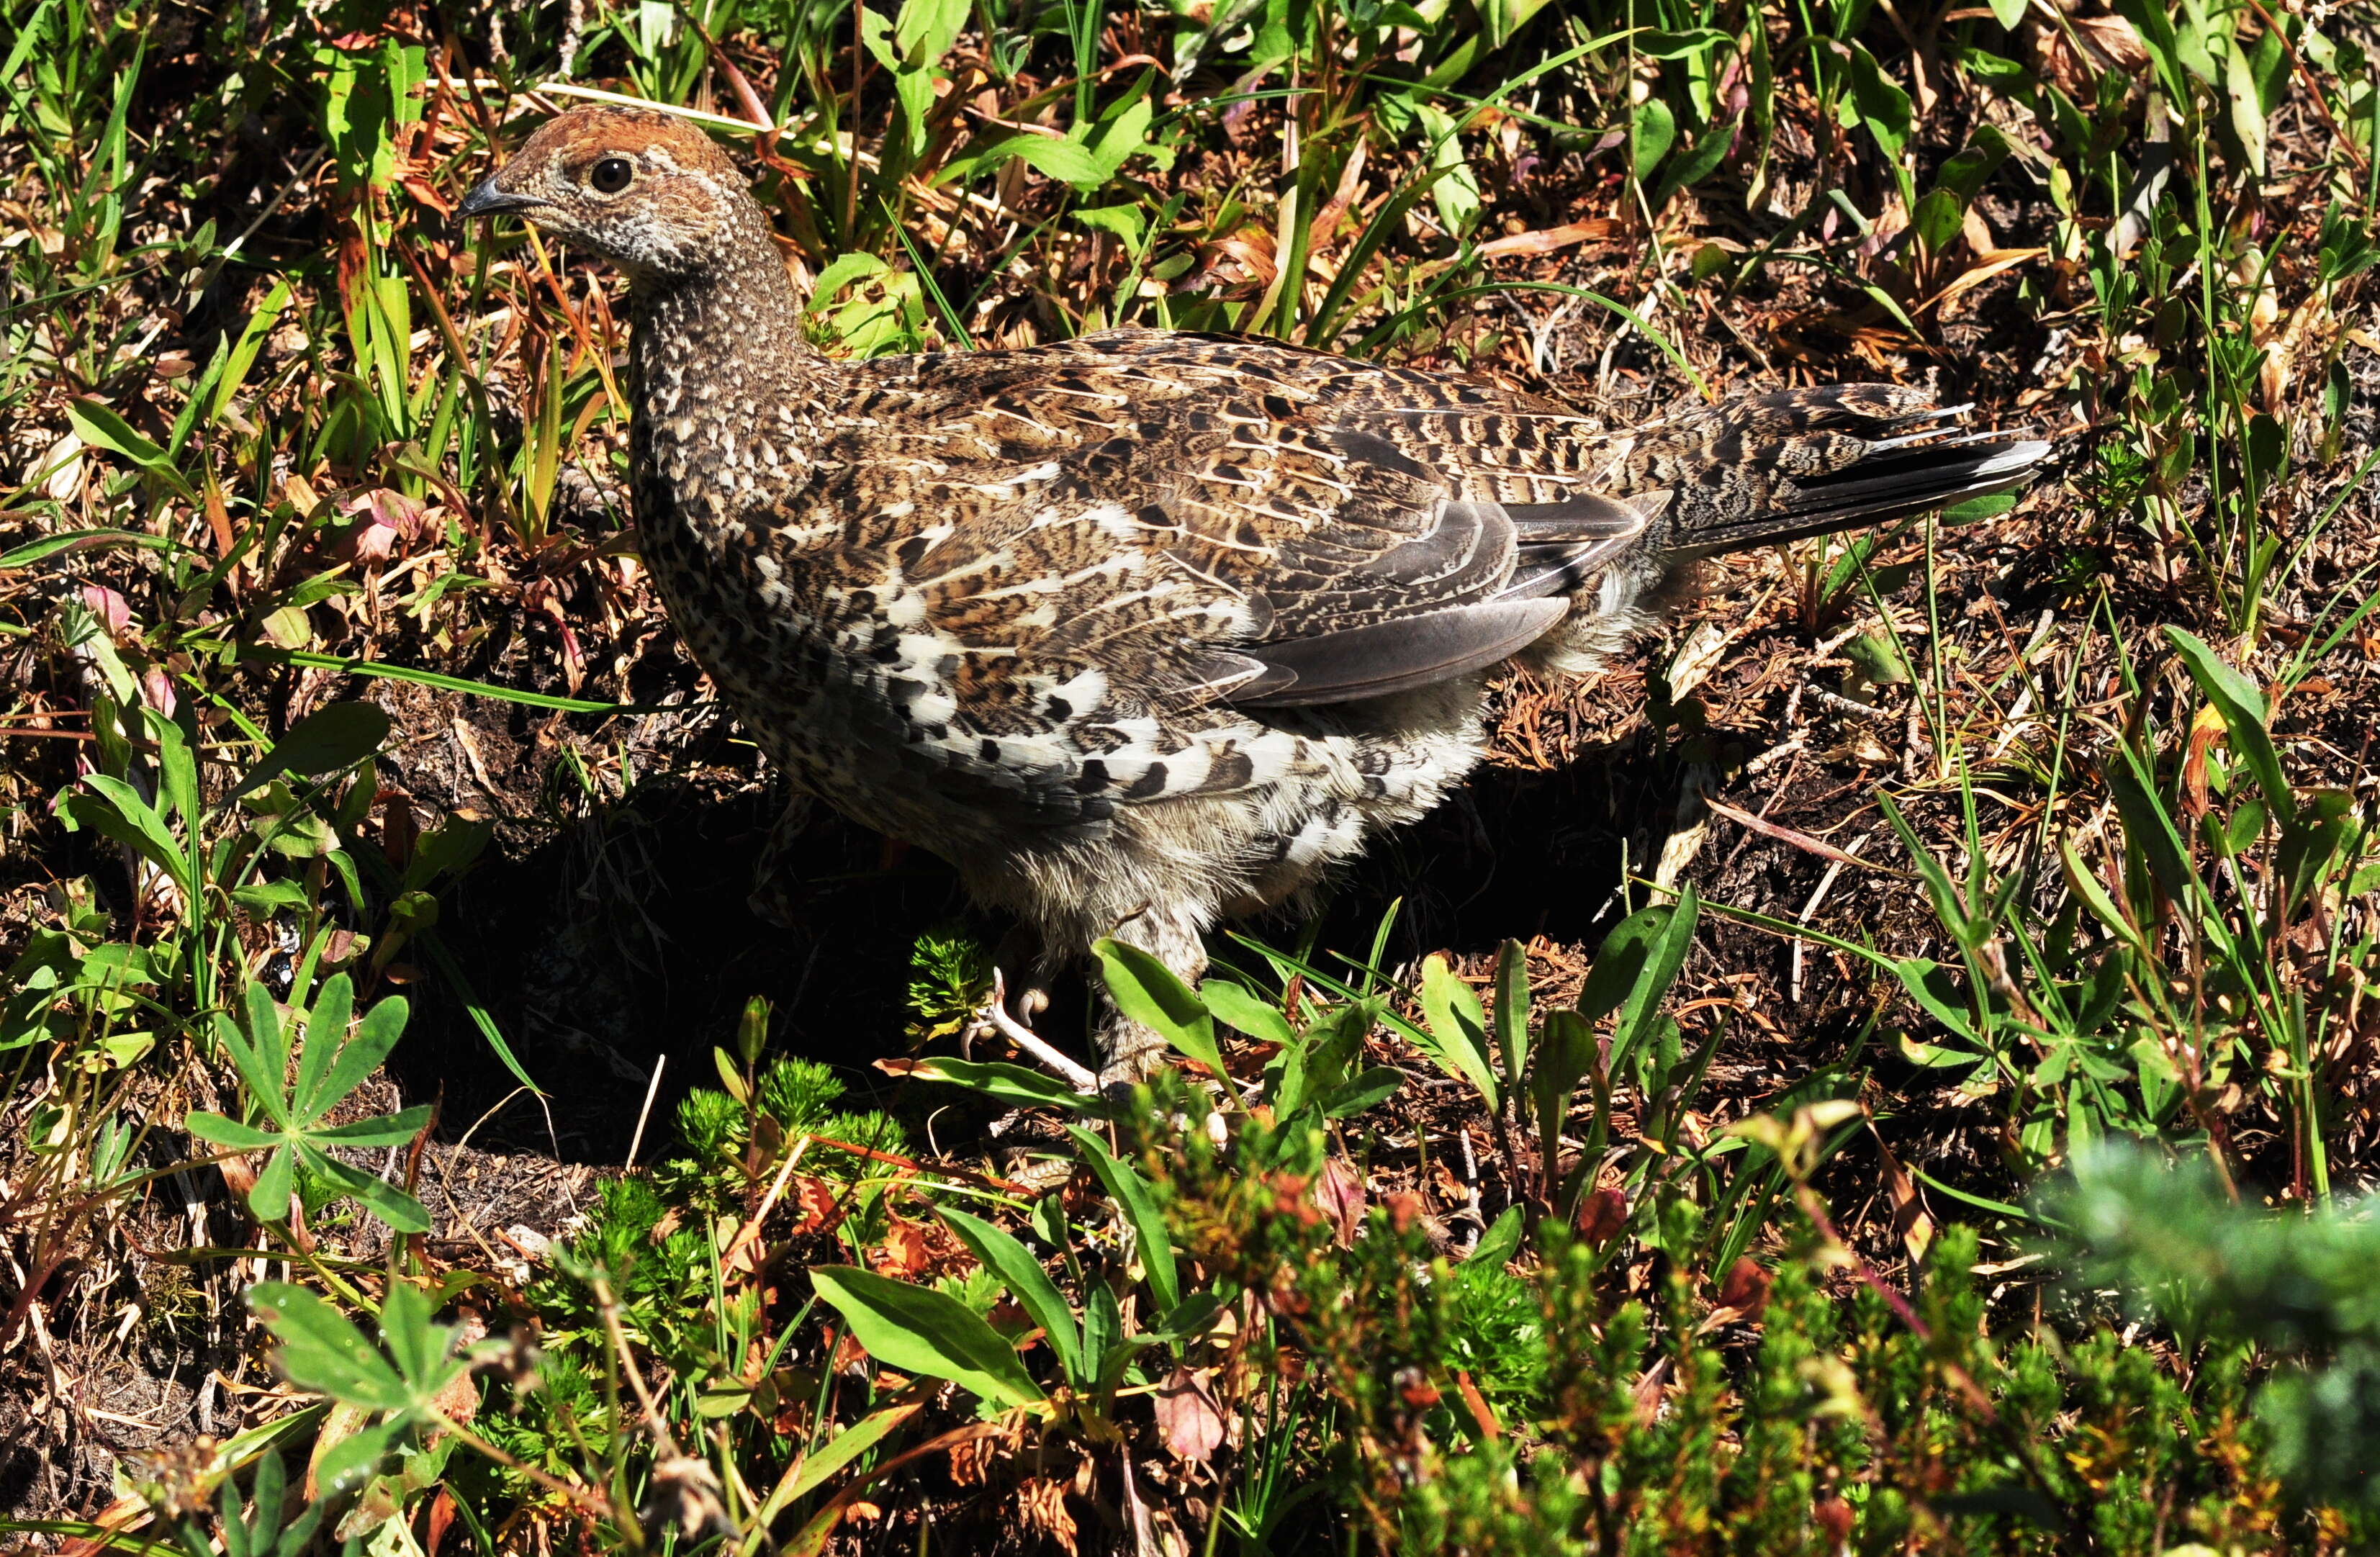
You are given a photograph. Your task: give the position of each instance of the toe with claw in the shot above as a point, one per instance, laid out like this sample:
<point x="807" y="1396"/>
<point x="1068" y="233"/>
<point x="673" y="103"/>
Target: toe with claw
<point x="997" y="1016"/>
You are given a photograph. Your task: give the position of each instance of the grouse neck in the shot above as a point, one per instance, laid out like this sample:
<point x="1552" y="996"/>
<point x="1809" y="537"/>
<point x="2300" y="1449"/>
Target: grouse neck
<point x="724" y="377"/>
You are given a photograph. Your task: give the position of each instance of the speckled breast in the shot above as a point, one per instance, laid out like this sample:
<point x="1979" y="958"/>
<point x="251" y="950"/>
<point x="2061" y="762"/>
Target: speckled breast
<point x="787" y="633"/>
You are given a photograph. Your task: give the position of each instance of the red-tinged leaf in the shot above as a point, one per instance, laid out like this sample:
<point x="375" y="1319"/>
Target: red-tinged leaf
<point x="1188" y="1418"/>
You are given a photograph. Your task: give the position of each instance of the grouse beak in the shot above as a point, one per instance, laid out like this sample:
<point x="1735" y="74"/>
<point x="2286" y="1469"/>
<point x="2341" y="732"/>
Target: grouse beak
<point x="490" y="200"/>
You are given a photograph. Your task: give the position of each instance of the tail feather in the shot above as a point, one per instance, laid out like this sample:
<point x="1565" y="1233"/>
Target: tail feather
<point x="1796" y="463"/>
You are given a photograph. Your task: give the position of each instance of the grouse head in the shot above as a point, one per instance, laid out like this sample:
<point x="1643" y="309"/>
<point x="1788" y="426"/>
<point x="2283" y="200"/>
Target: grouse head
<point x="646" y="190"/>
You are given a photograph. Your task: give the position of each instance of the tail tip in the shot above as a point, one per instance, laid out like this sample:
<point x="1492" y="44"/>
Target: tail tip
<point x="2013" y="459"/>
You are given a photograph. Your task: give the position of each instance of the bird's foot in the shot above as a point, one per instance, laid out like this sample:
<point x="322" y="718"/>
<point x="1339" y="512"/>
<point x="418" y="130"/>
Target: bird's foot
<point x="997" y="1016"/>
<point x="1130" y="1054"/>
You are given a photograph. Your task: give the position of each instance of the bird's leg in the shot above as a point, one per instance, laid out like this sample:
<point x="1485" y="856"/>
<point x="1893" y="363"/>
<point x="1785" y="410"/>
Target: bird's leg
<point x="771" y="900"/>
<point x="1128" y="1052"/>
<point x="1033" y="1043"/>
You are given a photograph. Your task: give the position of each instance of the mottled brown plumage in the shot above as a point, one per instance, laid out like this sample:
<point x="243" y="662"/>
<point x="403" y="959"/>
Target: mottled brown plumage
<point x="1145" y="629"/>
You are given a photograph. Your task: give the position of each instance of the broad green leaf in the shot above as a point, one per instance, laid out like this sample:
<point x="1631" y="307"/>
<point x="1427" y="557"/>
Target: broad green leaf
<point x="1123" y="1182"/>
<point x="1653" y="131"/>
<point x="359" y="1057"/>
<point x="1128" y="223"/>
<point x="2236" y="699"/>
<point x="1247" y="1013"/>
<point x="1010" y="1084"/>
<point x="148" y="834"/>
<point x="1512" y="1011"/>
<point x="1145" y="992"/>
<point x="320" y="1350"/>
<point x="1372" y="1087"/>
<point x="230" y="1134"/>
<point x="1126" y="135"/>
<point x="2095" y="897"/>
<point x="333" y="737"/>
<point x="1621" y="960"/>
<point x="1640" y="1011"/>
<point x="1457" y="1028"/>
<point x="386" y="1129"/>
<point x="1067" y="161"/>
<point x="269" y="1037"/>
<point x="2247" y="108"/>
<point x="810" y="1472"/>
<point x="1565" y="1051"/>
<point x="1102" y="1330"/>
<point x="102" y="427"/>
<point x="269" y="1196"/>
<point x="383" y="1200"/>
<point x="326" y="1032"/>
<point x="918" y="1330"/>
<point x="1918" y="976"/>
<point x="1496" y="1245"/>
<point x="1454" y="187"/>
<point x="841" y="273"/>
<point x="263" y="1080"/>
<point x="354" y="1458"/>
<point x="1023" y="1276"/>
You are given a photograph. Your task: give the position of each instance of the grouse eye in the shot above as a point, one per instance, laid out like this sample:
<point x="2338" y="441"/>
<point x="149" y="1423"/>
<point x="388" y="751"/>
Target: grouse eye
<point x="611" y="175"/>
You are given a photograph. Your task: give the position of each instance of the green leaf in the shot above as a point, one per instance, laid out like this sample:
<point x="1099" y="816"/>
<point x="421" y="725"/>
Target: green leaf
<point x="383" y="1200"/>
<point x="1923" y="979"/>
<point x="817" y="1465"/>
<point x="1128" y="223"/>
<point x="1948" y="905"/>
<point x="918" y="1330"/>
<point x="1145" y="992"/>
<point x="147" y="831"/>
<point x="269" y="1036"/>
<point x="1565" y="1049"/>
<point x="1125" y="1183"/>
<point x="1878" y="658"/>
<point x="1453" y="187"/>
<point x="386" y="1129"/>
<point x="1653" y="131"/>
<point x="320" y="1350"/>
<point x="2149" y="826"/>
<point x="1010" y="1084"/>
<point x="1640" y="1013"/>
<point x="1372" y="1087"/>
<point x="230" y="1134"/>
<point x="358" y="1057"/>
<point x="1621" y="959"/>
<point x="1976" y="508"/>
<point x="1123" y="138"/>
<point x="102" y="427"/>
<point x="1023" y="1275"/>
<point x="1496" y="1245"/>
<point x="2008" y="12"/>
<point x="1247" y="1013"/>
<point x="841" y="273"/>
<point x="353" y="1458"/>
<point x="1457" y="1028"/>
<point x="2247" y="106"/>
<point x="927" y="28"/>
<point x="326" y="1030"/>
<point x="333" y="737"/>
<point x="2096" y="899"/>
<point x="1067" y="161"/>
<point x="2236" y="699"/>
<point x="268" y="1197"/>
<point x="1512" y="1011"/>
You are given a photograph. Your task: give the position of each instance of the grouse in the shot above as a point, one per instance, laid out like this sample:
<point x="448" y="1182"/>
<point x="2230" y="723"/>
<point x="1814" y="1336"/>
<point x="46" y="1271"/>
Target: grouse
<point x="1145" y="629"/>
